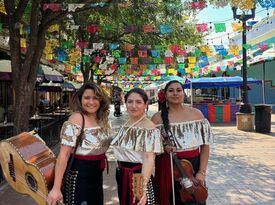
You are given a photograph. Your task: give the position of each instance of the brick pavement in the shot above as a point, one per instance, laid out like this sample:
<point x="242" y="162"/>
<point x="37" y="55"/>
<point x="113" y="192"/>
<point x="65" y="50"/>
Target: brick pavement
<point x="241" y="169"/>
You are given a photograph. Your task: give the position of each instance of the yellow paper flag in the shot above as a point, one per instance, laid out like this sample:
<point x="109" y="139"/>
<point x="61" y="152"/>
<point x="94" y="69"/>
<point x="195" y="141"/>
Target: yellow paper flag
<point x="23" y="43"/>
<point x="234" y="49"/>
<point x="237" y="27"/>
<point x="191" y="65"/>
<point x="49" y="56"/>
<point x="192" y="59"/>
<point x="53" y="28"/>
<point x="244" y="4"/>
<point x="188" y="70"/>
<point x="172" y="71"/>
<point x="2" y="7"/>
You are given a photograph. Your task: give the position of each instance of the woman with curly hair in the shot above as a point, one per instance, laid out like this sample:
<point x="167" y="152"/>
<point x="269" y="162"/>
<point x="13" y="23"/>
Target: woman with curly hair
<point x="83" y="181"/>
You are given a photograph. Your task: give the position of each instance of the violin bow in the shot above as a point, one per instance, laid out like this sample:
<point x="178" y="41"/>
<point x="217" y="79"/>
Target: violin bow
<point x="171" y="142"/>
<point x="172" y="176"/>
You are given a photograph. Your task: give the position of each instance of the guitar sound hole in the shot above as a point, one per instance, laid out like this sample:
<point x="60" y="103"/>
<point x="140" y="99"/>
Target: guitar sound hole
<point x="11" y="168"/>
<point x="32" y="183"/>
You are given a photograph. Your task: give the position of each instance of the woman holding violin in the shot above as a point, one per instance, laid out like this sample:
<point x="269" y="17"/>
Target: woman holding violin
<point x="186" y="136"/>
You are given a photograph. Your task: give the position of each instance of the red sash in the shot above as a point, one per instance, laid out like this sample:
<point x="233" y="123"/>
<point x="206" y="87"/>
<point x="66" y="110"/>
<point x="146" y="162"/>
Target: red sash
<point x="128" y="181"/>
<point x="102" y="157"/>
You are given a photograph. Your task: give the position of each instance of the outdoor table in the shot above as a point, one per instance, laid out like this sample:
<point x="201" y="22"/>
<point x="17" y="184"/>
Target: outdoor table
<point x="9" y="124"/>
<point x="62" y="111"/>
<point x="38" y="120"/>
<point x="53" y="114"/>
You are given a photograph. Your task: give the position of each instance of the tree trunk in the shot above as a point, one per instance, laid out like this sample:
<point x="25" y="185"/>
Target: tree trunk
<point x="23" y="93"/>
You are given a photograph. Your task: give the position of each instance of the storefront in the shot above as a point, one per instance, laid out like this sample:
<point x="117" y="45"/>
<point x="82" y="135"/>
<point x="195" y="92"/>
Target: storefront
<point x="215" y="107"/>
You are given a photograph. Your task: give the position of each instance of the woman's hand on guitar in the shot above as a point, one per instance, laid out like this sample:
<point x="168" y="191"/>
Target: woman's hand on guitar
<point x="54" y="197"/>
<point x="169" y="149"/>
<point x="143" y="199"/>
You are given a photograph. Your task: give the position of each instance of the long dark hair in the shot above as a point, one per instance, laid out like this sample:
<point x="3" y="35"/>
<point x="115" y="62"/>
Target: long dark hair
<point x="165" y="109"/>
<point x="139" y="91"/>
<point x="103" y="111"/>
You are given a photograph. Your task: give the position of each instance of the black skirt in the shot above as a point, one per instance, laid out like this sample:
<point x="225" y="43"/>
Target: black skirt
<point x="84" y="183"/>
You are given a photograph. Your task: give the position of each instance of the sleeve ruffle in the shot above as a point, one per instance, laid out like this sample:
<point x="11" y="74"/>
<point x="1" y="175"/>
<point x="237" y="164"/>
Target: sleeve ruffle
<point x="139" y="139"/>
<point x="190" y="134"/>
<point x="69" y="133"/>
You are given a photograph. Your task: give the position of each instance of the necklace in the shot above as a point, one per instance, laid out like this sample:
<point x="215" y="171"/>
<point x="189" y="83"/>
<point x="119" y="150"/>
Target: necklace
<point x="132" y="125"/>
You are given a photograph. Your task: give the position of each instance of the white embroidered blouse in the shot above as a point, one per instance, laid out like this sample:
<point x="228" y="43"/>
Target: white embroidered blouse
<point x="188" y="135"/>
<point x="95" y="141"/>
<point x="130" y="143"/>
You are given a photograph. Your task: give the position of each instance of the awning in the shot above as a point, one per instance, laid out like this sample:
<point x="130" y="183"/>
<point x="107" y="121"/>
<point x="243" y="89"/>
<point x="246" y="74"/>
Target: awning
<point x="67" y="86"/>
<point x="76" y="85"/>
<point x="5" y="70"/>
<point x="50" y="74"/>
<point x="218" y="82"/>
<point x="57" y="87"/>
<point x="45" y="73"/>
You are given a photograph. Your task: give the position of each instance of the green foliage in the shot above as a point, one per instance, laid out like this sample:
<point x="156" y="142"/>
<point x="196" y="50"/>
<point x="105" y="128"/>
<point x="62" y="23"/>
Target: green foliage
<point x="113" y="19"/>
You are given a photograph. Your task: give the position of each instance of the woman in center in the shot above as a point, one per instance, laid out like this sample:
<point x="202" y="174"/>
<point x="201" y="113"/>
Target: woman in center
<point x="135" y="146"/>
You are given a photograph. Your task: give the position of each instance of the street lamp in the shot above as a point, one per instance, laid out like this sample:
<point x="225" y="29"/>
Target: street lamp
<point x="245" y="107"/>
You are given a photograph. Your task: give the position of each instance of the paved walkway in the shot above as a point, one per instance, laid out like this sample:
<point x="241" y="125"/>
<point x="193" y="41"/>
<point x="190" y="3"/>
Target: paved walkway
<point x="241" y="169"/>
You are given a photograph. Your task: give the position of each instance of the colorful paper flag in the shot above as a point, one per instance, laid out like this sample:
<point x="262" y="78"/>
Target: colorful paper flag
<point x="220" y="27"/>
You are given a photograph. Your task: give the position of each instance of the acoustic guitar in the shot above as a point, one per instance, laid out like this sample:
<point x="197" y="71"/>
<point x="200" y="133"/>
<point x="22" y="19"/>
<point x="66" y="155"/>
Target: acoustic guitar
<point x="28" y="165"/>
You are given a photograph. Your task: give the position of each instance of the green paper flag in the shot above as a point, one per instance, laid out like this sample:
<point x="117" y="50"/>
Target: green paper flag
<point x="108" y="28"/>
<point x="247" y="46"/>
<point x="116" y="53"/>
<point x="197" y="53"/>
<point x="66" y="44"/>
<point x="158" y="60"/>
<point x="86" y="59"/>
<point x="220" y="27"/>
<point x="160" y="47"/>
<point x="28" y="8"/>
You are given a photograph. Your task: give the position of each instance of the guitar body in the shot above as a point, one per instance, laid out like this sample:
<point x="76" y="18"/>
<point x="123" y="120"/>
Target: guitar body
<point x="28" y="165"/>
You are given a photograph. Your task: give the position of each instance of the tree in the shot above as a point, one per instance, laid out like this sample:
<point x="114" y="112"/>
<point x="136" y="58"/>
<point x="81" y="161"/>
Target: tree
<point x="113" y="21"/>
<point x="24" y="68"/>
<point x="25" y="63"/>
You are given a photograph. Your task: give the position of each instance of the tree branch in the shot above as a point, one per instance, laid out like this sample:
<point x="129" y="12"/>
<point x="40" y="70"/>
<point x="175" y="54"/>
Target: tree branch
<point x="33" y="35"/>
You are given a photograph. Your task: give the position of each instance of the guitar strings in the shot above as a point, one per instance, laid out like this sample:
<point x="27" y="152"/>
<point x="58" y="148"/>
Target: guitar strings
<point x="22" y="180"/>
<point x="38" y="192"/>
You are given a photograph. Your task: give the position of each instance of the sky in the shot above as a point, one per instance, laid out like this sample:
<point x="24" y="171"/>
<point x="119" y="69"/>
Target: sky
<point x="224" y="15"/>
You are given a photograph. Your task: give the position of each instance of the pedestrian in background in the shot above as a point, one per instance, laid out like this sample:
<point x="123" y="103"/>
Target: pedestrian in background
<point x="134" y="147"/>
<point x="187" y="133"/>
<point x="83" y="182"/>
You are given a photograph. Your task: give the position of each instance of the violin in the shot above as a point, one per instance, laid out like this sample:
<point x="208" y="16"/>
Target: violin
<point x="183" y="173"/>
